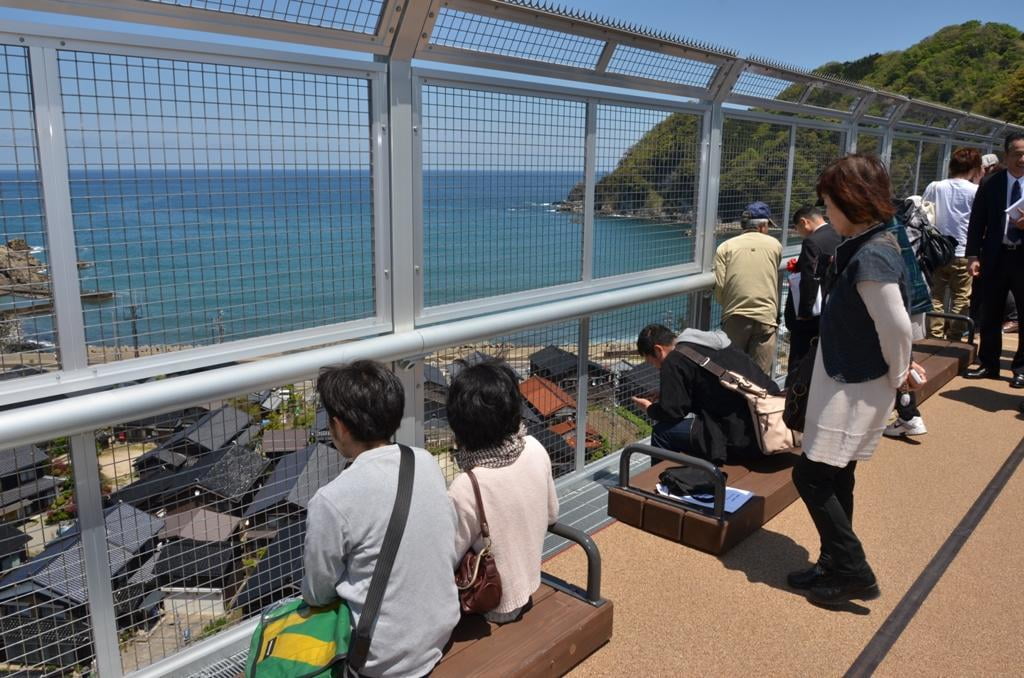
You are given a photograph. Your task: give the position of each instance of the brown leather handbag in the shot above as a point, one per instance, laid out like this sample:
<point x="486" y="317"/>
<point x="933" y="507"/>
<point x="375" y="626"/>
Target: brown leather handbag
<point x="477" y="576"/>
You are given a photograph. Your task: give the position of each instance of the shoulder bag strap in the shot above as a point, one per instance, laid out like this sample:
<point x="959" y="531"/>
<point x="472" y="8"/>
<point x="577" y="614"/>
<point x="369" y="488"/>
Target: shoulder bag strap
<point x="484" y="529"/>
<point x="722" y="374"/>
<point x="702" y="360"/>
<point x="360" y="647"/>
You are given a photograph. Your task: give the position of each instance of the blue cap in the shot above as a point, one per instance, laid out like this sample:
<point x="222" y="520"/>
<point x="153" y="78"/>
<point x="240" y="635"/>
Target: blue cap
<point x="757" y="210"/>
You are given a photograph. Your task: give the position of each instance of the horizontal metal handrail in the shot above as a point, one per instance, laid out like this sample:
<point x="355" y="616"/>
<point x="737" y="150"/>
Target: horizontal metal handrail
<point x="80" y="414"/>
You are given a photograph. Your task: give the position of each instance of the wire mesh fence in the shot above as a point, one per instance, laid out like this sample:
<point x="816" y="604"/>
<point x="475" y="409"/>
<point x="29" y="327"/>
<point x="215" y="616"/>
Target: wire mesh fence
<point x="45" y="628"/>
<point x="643" y="63"/>
<point x="814" y="150"/>
<point x="645" y="195"/>
<point x="468" y="31"/>
<point x="903" y="166"/>
<point x="360" y="16"/>
<point x="226" y="485"/>
<point x="755" y="167"/>
<point x="27" y="336"/>
<point x="502" y="192"/>
<point x="546" y="362"/>
<point x="869" y="143"/>
<point x="930" y="168"/>
<point x="612" y="413"/>
<point x="215" y="202"/>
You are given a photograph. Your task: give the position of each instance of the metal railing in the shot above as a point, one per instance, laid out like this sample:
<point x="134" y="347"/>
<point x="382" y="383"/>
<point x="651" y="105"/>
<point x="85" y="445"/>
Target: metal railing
<point x="192" y="227"/>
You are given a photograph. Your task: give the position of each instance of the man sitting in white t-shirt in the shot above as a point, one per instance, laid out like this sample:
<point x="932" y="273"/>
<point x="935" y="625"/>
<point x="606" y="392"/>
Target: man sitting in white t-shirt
<point x="953" y="199"/>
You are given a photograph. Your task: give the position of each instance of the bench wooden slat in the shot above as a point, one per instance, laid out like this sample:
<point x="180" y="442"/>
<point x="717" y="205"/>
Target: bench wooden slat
<point x="471" y="628"/>
<point x="552" y="637"/>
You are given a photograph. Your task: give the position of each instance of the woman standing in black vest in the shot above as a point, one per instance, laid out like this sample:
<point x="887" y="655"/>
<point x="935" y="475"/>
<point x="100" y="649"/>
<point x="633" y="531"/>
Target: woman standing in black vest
<point x="863" y="357"/>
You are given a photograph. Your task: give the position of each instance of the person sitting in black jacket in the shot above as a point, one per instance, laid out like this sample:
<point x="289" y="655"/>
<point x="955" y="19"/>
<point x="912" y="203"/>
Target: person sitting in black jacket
<point x="721" y="429"/>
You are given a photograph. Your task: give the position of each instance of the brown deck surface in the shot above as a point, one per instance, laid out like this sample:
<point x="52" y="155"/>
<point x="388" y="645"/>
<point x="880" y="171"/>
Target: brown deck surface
<point x="680" y="611"/>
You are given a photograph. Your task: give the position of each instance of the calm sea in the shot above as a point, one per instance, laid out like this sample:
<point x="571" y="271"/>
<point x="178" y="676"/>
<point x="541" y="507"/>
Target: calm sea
<point x="202" y="256"/>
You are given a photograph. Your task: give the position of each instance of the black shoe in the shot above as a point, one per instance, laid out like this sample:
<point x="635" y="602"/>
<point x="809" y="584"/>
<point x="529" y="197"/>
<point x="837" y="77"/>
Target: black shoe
<point x="835" y="590"/>
<point x="1017" y="381"/>
<point x="982" y="373"/>
<point x="805" y="579"/>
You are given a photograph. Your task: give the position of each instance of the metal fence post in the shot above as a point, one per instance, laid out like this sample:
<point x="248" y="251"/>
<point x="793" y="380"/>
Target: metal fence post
<point x="787" y="207"/>
<point x="62" y="258"/>
<point x="947" y="154"/>
<point x="406" y="273"/>
<point x="711" y="157"/>
<point x="590" y="181"/>
<point x="93" y="530"/>
<point x="582" y="392"/>
<point x="917" y="167"/>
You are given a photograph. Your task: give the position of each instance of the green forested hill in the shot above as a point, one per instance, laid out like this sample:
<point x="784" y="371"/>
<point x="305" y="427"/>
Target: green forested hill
<point x="974" y="66"/>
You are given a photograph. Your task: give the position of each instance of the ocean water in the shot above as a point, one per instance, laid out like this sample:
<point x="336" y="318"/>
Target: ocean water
<point x="199" y="256"/>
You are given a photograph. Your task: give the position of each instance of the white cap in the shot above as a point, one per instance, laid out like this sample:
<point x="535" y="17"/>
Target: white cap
<point x="988" y="160"/>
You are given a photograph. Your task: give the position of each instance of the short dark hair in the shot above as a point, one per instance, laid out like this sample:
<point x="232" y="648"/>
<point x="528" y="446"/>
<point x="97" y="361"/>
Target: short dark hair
<point x="1010" y="138"/>
<point x="654" y="335"/>
<point x="963" y="160"/>
<point x="807" y="212"/>
<point x="484" y="406"/>
<point x="859" y="186"/>
<point x="365" y="396"/>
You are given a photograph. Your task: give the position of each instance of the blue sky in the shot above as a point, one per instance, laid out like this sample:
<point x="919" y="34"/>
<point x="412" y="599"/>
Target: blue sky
<point x="805" y="33"/>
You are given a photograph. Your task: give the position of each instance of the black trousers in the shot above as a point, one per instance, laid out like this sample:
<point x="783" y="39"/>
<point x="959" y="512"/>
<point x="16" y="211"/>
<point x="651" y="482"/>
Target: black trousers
<point x="998" y="279"/>
<point x="827" y="491"/>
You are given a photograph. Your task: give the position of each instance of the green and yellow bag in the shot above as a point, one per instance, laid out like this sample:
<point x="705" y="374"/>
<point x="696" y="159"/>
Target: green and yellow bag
<point x="294" y="640"/>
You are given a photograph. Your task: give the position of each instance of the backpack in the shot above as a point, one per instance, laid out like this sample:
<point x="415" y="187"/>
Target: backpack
<point x="933" y="249"/>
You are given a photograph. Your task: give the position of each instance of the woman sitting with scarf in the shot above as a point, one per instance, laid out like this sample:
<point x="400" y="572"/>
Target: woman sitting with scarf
<point x="514" y="474"/>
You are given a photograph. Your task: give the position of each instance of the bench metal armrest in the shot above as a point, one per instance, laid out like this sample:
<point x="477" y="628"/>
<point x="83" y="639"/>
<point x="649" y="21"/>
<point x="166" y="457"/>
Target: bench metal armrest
<point x="593" y="557"/>
<point x="956" y="316"/>
<point x="713" y="473"/>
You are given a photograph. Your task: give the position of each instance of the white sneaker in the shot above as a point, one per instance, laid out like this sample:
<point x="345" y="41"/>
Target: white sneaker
<point x="900" y="428"/>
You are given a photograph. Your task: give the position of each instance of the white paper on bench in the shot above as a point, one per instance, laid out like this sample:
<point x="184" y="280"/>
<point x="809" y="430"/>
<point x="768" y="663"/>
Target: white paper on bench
<point x="735" y="498"/>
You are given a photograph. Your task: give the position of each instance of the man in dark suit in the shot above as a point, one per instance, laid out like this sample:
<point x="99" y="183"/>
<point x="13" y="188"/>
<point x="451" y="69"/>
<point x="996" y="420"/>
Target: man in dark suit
<point x="819" y="246"/>
<point x="995" y="252"/>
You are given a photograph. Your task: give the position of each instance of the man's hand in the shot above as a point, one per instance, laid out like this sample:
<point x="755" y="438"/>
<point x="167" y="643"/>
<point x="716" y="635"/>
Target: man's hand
<point x="1019" y="223"/>
<point x="973" y="267"/>
<point x="912" y="384"/>
<point x="642" y="402"/>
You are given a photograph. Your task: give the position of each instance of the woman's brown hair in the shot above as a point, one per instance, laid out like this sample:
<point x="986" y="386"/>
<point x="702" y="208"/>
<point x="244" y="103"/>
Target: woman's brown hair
<point x="859" y="186"/>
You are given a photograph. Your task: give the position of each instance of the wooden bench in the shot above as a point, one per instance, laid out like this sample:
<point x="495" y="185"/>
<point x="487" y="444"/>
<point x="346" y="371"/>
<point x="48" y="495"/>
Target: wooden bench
<point x="636" y="502"/>
<point x="943" y="359"/>
<point x="564" y="626"/>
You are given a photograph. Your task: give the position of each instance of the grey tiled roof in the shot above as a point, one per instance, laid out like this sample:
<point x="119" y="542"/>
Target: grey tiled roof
<point x="60" y="568"/>
<point x="12" y="540"/>
<point x="184" y="562"/>
<point x="234" y="473"/>
<point x="27" y="491"/>
<point x="298" y="476"/>
<point x="212" y="432"/>
<point x="221" y="427"/>
<point x="15" y="459"/>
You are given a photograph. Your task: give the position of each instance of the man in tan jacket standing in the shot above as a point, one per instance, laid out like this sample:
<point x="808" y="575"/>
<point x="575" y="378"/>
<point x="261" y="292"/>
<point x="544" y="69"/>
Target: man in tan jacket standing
<point x="747" y="286"/>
